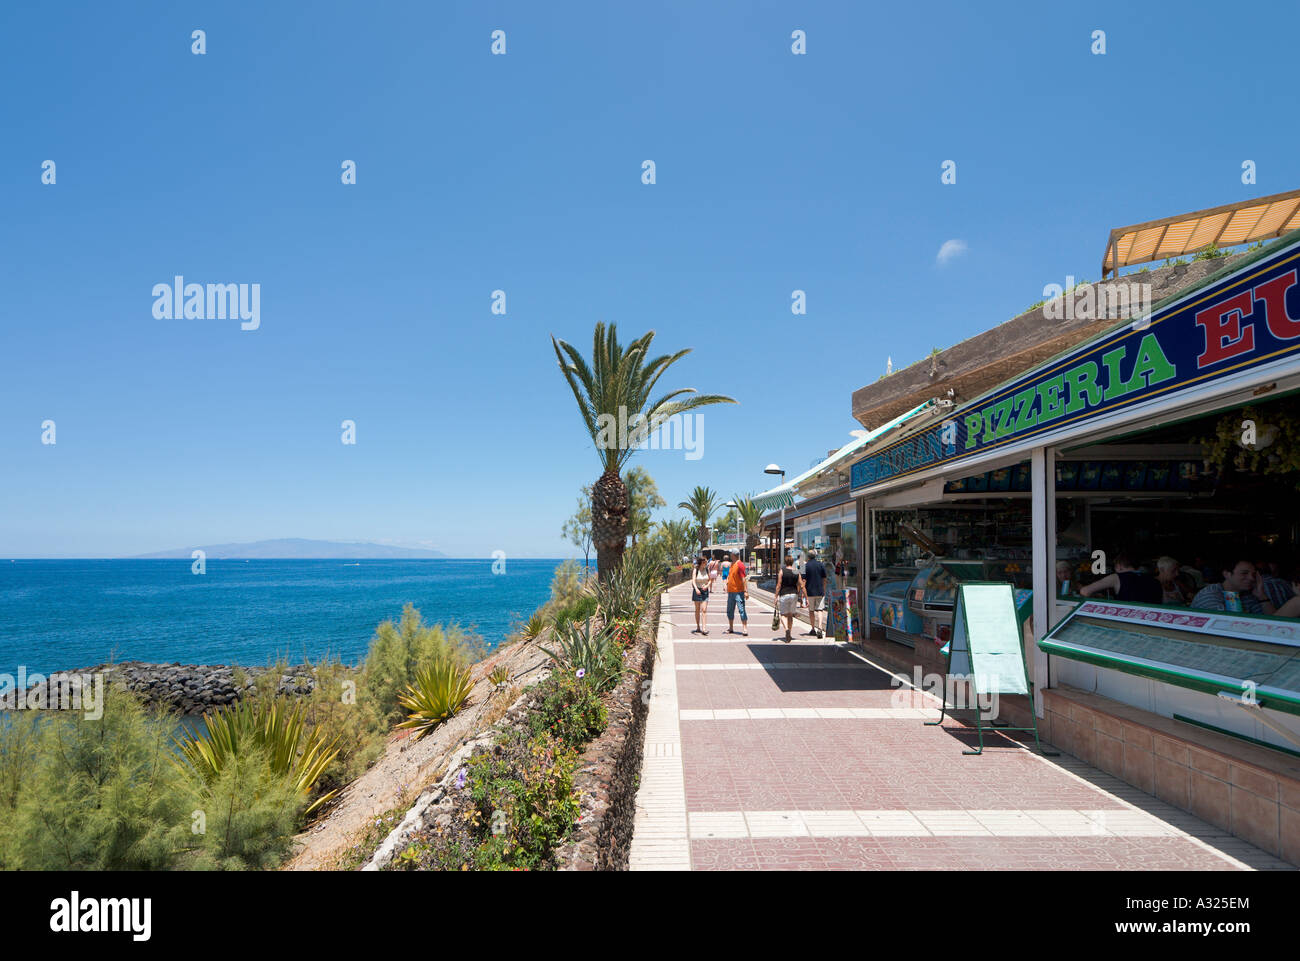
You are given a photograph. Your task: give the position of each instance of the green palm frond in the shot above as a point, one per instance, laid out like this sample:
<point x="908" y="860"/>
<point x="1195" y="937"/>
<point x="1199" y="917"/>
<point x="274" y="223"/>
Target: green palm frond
<point x="617" y="382"/>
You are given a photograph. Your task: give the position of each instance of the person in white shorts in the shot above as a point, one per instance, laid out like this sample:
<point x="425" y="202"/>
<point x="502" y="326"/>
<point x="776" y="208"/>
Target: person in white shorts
<point x="813" y="584"/>
<point x="789" y="585"/>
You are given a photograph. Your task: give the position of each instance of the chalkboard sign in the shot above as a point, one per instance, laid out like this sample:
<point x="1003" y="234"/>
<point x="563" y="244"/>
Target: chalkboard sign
<point x="986" y="648"/>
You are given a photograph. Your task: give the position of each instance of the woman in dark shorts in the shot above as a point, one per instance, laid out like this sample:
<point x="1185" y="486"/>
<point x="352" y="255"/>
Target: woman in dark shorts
<point x="700" y="593"/>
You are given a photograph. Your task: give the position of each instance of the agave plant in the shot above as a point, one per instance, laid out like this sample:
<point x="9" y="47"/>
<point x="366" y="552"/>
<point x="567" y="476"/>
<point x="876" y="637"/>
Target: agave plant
<point x="292" y="750"/>
<point x="532" y="628"/>
<point x="628" y="592"/>
<point x="613" y="395"/>
<point x="595" y="656"/>
<point x="500" y="675"/>
<point x="439" y="692"/>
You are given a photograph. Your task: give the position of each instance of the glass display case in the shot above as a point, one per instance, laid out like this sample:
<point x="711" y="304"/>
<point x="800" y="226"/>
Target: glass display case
<point x="1209" y="651"/>
<point x="912" y="602"/>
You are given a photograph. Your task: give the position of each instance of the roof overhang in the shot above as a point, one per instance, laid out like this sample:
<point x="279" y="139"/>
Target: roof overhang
<point x="832" y="473"/>
<point x="1238" y="223"/>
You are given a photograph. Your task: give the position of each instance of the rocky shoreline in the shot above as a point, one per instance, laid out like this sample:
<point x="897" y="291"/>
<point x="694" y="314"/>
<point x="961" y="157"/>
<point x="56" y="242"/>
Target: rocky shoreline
<point x="187" y="689"/>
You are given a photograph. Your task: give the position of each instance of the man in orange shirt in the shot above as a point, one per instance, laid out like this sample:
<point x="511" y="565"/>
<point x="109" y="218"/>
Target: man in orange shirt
<point x="737" y="592"/>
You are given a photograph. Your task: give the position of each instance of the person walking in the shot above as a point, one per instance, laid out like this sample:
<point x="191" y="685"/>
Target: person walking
<point x="737" y="593"/>
<point x="714" y="570"/>
<point x="700" y="594"/>
<point x="814" y="587"/>
<point x="789" y="585"/>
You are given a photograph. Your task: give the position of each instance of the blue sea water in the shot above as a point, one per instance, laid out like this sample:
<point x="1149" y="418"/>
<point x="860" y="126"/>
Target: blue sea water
<point x="64" y="614"/>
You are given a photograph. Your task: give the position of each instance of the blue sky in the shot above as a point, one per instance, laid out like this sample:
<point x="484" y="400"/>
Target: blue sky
<point x="522" y="172"/>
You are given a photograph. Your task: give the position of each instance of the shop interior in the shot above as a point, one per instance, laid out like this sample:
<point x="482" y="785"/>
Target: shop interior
<point x="1205" y="492"/>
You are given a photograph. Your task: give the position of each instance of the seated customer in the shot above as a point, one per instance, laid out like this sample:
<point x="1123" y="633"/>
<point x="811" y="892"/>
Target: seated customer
<point x="1063" y="576"/>
<point x="1277" y="588"/>
<point x="1128" y="583"/>
<point x="1241" y="590"/>
<point x="1292" y="607"/>
<point x="1175" y="585"/>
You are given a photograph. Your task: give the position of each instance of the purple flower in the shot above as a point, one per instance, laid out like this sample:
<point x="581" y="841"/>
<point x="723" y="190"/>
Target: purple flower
<point x="582" y="672"/>
<point x="460" y="778"/>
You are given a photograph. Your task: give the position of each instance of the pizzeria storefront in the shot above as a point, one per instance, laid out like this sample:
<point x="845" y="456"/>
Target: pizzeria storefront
<point x="1170" y="436"/>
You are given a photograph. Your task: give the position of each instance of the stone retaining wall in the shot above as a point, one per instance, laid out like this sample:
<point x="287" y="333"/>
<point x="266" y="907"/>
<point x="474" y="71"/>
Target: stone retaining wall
<point x="189" y="689"/>
<point x="610" y="769"/>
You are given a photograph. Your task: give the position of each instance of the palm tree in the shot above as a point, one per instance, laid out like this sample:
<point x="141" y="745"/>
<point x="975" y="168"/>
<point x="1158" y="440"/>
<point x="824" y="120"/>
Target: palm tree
<point x="702" y="505"/>
<point x="751" y="521"/>
<point x="678" y="536"/>
<point x="613" y="395"/>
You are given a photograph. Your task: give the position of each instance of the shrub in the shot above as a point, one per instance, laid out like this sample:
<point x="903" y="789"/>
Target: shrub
<point x="439" y="692"/>
<point x="567" y="585"/>
<point x="629" y="590"/>
<point x="597" y="655"/>
<point x="272" y="731"/>
<point x="568" y="709"/>
<point x="352" y="724"/>
<point x="399" y="650"/>
<point x="530" y="782"/>
<point x="249" y="810"/>
<point x="582" y="608"/>
<point x="81" y="794"/>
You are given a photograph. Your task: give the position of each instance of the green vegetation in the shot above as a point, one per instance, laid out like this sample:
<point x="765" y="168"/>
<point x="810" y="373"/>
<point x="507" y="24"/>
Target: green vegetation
<point x="701" y="505"/>
<point x="90" y="795"/>
<point x="594" y="656"/>
<point x="628" y="592"/>
<point x="569" y="708"/>
<point x="642" y="498"/>
<point x="613" y="392"/>
<point x="288" y="747"/>
<point x="577" y="529"/>
<point x="439" y="692"/>
<point x="124" y="792"/>
<point x="399" y="650"/>
<point x="515" y="802"/>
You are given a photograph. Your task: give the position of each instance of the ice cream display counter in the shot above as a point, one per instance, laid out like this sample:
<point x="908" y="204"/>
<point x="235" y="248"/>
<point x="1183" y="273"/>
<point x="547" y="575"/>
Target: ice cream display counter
<point x="918" y="602"/>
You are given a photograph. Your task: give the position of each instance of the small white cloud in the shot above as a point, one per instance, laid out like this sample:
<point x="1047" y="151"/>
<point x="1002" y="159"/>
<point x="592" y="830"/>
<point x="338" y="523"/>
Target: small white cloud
<point x="949" y="250"/>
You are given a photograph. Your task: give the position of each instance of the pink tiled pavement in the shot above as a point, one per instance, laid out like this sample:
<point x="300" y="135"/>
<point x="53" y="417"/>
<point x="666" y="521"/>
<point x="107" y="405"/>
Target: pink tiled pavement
<point x="817" y="764"/>
<point x="941" y="854"/>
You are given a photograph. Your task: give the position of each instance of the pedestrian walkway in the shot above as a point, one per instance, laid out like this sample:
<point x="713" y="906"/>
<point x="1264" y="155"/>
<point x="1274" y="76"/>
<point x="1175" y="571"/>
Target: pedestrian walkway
<point x="762" y="755"/>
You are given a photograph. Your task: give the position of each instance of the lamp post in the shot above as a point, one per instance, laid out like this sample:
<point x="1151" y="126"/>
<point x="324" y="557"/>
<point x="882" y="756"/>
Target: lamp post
<point x="732" y="505"/>
<point x="780" y="547"/>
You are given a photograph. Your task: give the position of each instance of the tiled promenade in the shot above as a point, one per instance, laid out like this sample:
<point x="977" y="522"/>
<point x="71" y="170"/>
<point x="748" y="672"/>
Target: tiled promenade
<point x="773" y="756"/>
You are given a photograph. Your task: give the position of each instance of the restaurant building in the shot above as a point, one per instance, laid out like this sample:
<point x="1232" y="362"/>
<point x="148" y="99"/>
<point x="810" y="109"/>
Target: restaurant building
<point x="1039" y="452"/>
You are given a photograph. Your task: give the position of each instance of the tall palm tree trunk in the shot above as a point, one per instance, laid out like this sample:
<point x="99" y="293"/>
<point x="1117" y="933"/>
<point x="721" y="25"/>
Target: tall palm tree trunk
<point x="609" y="519"/>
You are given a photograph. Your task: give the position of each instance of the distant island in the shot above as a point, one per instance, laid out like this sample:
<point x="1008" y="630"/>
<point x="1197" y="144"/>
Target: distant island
<point x="295" y="548"/>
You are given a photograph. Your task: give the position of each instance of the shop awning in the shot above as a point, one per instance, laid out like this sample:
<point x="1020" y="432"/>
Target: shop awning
<point x="1237" y="223"/>
<point x="827" y="471"/>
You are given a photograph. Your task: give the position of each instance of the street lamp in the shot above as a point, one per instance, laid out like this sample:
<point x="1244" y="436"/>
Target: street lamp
<point x="735" y="507"/>
<point x="774" y="469"/>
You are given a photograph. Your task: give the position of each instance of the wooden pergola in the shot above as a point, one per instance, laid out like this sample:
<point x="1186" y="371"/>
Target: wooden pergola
<point x="1239" y="223"/>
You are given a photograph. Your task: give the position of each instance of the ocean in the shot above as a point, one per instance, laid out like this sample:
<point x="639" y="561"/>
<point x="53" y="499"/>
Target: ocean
<point x="65" y="614"/>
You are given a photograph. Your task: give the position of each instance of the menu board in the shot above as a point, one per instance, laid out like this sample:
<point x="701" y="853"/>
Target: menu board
<point x="1204" y="650"/>
<point x="986" y="639"/>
